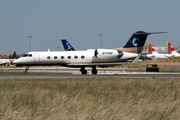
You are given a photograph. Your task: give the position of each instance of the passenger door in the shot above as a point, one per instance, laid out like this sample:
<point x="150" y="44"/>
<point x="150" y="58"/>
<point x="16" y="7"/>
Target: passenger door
<point x="36" y="58"/>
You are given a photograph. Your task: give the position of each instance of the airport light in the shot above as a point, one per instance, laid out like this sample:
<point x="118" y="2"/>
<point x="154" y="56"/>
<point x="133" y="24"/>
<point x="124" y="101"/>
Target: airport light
<point x="30" y="43"/>
<point x="100" y="40"/>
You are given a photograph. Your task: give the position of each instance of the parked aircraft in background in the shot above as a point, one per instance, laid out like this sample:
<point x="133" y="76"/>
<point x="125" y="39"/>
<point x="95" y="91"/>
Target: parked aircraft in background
<point x="88" y="58"/>
<point x="153" y="54"/>
<point x="6" y="61"/>
<point x="10" y="60"/>
<point x="67" y="46"/>
<point x="171" y="50"/>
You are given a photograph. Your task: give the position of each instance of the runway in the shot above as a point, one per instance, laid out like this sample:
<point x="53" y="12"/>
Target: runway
<point x="61" y="73"/>
<point x="66" y="76"/>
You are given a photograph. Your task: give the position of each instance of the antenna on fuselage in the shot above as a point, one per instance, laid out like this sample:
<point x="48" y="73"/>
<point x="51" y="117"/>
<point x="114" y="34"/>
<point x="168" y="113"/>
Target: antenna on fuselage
<point x="48" y="50"/>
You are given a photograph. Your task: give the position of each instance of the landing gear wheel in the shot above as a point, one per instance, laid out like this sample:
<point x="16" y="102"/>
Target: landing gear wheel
<point x="25" y="72"/>
<point x="94" y="72"/>
<point x="84" y="72"/>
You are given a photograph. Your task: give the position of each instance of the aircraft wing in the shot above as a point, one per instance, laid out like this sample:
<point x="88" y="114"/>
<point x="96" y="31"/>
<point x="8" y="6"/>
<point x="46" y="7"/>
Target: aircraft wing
<point x="94" y="64"/>
<point x="136" y="59"/>
<point x="101" y="64"/>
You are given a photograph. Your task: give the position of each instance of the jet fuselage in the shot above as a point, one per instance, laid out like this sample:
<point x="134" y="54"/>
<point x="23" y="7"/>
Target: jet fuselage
<point x="65" y="57"/>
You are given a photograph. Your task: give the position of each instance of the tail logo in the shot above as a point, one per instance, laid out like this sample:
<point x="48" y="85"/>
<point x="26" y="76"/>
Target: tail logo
<point x="11" y="61"/>
<point x="136" y="42"/>
<point x="69" y="47"/>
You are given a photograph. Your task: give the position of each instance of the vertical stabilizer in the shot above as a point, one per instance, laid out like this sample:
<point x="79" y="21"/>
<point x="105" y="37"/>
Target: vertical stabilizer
<point x="151" y="49"/>
<point x="171" y="49"/>
<point x="67" y="46"/>
<point x="168" y="48"/>
<point x="136" y="42"/>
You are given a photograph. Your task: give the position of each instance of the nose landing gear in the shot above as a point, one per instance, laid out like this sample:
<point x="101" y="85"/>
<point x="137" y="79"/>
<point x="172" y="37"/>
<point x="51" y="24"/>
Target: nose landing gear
<point x="26" y="70"/>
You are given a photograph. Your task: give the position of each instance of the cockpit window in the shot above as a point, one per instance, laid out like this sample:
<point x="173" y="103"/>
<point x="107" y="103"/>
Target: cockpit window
<point x="30" y="55"/>
<point x="25" y="55"/>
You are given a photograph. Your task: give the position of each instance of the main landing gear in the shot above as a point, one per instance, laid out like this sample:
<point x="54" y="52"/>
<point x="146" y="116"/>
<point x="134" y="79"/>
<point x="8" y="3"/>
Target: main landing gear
<point x="84" y="72"/>
<point x="26" y="70"/>
<point x="94" y="71"/>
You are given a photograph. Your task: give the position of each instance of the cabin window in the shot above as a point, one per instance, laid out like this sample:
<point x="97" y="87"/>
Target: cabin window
<point x="82" y="56"/>
<point x="48" y="57"/>
<point x="69" y="57"/>
<point x="55" y="57"/>
<point x="62" y="57"/>
<point x="76" y="57"/>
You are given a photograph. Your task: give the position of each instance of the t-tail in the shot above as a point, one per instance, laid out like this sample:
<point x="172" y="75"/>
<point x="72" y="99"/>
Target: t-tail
<point x="136" y="42"/>
<point x="171" y="49"/>
<point x="67" y="45"/>
<point x="151" y="49"/>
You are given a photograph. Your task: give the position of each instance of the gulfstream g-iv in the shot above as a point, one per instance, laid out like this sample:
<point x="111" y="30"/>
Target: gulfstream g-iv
<point x="88" y="58"/>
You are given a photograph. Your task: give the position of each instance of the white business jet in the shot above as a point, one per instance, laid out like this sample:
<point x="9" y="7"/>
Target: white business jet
<point x="87" y="58"/>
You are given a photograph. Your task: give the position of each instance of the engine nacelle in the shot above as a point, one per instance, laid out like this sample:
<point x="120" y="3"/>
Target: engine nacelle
<point x="107" y="53"/>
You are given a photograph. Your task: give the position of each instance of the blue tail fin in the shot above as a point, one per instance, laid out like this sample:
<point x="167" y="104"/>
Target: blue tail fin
<point x="136" y="42"/>
<point x="67" y="45"/>
<point x="138" y="39"/>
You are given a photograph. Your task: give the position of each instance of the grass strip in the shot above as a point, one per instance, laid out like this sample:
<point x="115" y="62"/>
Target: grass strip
<point x="87" y="99"/>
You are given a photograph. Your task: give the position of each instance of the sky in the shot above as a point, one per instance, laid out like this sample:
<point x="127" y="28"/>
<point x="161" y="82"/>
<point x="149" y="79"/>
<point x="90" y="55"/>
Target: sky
<point x="81" y="22"/>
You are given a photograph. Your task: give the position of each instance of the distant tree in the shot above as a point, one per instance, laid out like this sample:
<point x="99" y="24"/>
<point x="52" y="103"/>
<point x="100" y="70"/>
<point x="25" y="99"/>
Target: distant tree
<point x="14" y="55"/>
<point x="10" y="56"/>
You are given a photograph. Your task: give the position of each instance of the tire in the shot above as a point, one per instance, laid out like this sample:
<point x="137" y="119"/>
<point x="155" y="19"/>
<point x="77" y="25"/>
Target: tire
<point x="84" y="72"/>
<point x="25" y="72"/>
<point x="94" y="72"/>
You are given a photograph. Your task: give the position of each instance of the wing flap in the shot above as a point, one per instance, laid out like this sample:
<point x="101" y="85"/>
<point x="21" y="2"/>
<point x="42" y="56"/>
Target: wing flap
<point x="100" y="64"/>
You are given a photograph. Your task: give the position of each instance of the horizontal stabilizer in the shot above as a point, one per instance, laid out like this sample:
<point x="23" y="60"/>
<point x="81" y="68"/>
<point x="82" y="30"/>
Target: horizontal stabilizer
<point x="149" y="33"/>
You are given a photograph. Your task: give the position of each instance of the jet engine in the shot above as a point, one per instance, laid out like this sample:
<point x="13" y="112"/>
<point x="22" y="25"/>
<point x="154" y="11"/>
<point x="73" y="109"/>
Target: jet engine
<point x="107" y="53"/>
